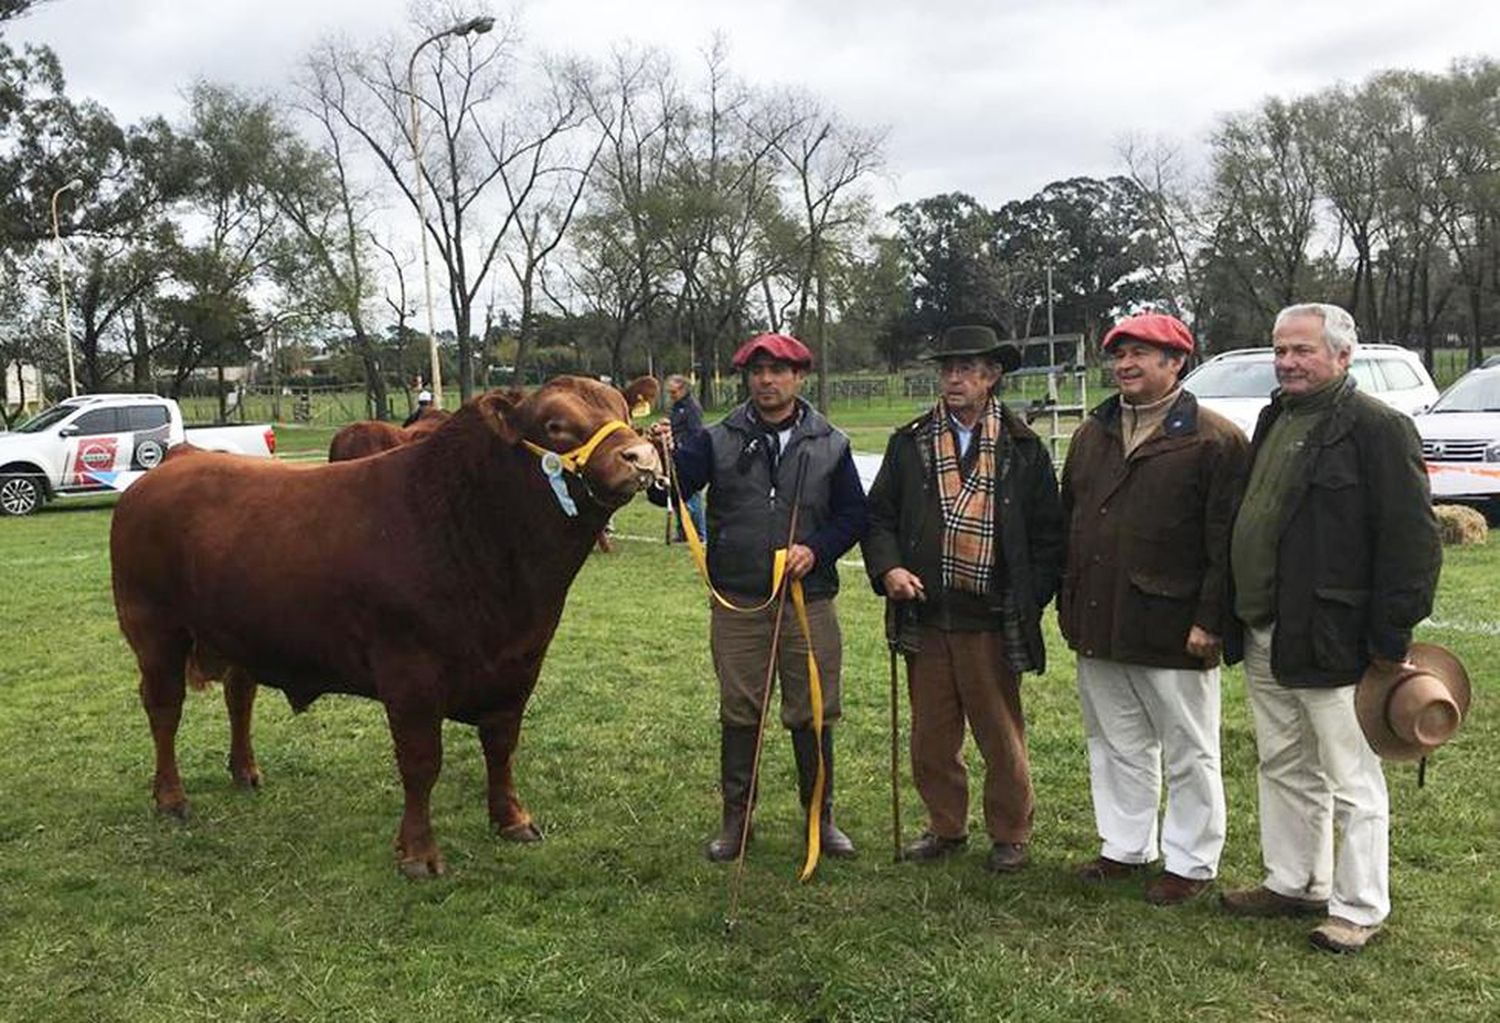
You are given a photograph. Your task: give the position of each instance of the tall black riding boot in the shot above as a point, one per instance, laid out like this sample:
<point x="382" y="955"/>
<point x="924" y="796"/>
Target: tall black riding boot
<point x="736" y="762"/>
<point x="805" y="746"/>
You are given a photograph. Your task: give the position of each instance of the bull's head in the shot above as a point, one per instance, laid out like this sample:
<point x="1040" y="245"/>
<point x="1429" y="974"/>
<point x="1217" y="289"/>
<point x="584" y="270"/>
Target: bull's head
<point x="578" y="427"/>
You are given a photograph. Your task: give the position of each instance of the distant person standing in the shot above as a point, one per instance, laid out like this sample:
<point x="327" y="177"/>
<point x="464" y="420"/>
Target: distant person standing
<point x="1335" y="556"/>
<point x="686" y="419"/>
<point x="1149" y="490"/>
<point x="424" y="402"/>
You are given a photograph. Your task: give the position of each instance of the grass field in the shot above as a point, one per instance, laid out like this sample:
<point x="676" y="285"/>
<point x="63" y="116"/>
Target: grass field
<point x="285" y="905"/>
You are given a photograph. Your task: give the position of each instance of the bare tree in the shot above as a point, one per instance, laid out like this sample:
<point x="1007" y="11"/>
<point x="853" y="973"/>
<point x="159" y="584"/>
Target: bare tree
<point x="827" y="158"/>
<point x="486" y="123"/>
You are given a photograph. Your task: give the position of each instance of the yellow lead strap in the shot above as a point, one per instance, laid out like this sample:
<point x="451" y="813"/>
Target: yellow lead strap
<point x="814" y="677"/>
<point x="815" y="696"/>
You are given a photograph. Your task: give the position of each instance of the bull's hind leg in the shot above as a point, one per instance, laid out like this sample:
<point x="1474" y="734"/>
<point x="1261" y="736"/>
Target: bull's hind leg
<point x="499" y="735"/>
<point x="239" y="699"/>
<point x="163" y="683"/>
<point x="418" y="735"/>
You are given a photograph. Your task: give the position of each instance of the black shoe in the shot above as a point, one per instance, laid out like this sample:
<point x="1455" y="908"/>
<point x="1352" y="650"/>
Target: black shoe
<point x="928" y="847"/>
<point x="725" y="846"/>
<point x="1006" y="857"/>
<point x="832" y="841"/>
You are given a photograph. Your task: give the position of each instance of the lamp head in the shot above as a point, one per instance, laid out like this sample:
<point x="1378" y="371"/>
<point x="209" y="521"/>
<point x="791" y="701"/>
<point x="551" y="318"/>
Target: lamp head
<point x="478" y="26"/>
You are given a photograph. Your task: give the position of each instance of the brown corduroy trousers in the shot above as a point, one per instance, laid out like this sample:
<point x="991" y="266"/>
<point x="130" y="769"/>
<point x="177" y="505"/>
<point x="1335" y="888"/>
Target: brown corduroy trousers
<point x="953" y="677"/>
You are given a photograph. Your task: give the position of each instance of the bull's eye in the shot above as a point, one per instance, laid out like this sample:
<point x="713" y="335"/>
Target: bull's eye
<point x="556" y="427"/>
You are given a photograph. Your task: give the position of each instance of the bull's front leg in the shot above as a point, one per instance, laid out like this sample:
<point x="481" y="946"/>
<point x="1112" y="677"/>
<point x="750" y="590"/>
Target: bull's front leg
<point x="239" y="698"/>
<point x="418" y="735"/>
<point x="499" y="735"/>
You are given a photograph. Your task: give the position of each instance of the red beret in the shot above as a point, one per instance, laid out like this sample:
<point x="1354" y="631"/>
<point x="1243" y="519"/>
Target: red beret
<point x="1153" y="328"/>
<point x="781" y="347"/>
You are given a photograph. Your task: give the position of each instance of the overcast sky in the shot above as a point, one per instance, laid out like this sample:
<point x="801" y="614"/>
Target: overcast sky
<point x="992" y="98"/>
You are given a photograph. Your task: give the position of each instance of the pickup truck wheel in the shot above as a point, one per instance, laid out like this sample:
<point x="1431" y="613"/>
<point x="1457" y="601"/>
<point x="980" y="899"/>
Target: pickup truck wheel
<point x="19" y="495"/>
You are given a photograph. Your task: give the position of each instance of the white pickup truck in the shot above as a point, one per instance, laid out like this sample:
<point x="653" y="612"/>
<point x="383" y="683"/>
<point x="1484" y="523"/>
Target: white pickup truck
<point x="99" y="443"/>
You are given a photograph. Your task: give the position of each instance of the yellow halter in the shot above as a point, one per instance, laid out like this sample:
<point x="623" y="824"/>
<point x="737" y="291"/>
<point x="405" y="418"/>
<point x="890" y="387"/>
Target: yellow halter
<point x="574" y="461"/>
<point x="555" y="463"/>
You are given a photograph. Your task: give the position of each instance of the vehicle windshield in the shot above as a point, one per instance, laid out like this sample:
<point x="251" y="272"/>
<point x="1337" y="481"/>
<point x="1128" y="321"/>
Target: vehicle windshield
<point x="1233" y="378"/>
<point x="1476" y="392"/>
<point x="46" y="418"/>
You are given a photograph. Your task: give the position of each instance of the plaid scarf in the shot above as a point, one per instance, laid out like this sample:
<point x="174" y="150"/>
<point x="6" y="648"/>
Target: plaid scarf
<point x="968" y="500"/>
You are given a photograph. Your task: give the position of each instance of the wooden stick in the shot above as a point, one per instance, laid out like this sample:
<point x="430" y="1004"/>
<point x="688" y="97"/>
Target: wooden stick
<point x="895" y="759"/>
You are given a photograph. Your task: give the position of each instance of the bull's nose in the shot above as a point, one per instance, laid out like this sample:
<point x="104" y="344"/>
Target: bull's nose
<point x="642" y="457"/>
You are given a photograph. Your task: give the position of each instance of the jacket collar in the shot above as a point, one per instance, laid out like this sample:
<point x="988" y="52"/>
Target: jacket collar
<point x="1333" y="427"/>
<point x="809" y="422"/>
<point x="1014" y="424"/>
<point x="1181" y="420"/>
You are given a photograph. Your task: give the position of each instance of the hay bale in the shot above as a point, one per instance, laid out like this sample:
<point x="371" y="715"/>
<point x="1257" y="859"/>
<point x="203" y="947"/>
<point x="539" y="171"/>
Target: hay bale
<point x="1460" y="525"/>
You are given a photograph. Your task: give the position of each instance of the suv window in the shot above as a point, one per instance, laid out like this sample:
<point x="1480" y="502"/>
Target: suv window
<point x="145" y="417"/>
<point x="100" y="420"/>
<point x="1398" y="375"/>
<point x="1365" y="376"/>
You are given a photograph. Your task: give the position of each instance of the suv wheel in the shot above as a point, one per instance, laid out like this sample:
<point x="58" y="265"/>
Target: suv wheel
<point x="19" y="495"/>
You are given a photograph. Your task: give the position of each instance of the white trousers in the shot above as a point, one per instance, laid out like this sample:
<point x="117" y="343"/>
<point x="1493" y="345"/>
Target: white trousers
<point x="1137" y="718"/>
<point x="1317" y="771"/>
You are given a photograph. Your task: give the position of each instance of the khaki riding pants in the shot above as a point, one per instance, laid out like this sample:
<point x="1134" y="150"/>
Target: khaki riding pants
<point x="741" y="648"/>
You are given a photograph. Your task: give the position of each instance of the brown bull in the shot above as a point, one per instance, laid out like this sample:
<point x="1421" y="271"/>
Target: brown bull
<point x="431" y="578"/>
<point x="373" y="436"/>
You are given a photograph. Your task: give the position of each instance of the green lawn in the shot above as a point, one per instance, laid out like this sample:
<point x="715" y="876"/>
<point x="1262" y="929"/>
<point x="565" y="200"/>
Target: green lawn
<point x="285" y="905"/>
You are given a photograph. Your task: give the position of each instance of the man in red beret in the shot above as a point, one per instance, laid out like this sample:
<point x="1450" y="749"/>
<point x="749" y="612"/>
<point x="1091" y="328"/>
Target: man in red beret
<point x="1149" y="489"/>
<point x="749" y="462"/>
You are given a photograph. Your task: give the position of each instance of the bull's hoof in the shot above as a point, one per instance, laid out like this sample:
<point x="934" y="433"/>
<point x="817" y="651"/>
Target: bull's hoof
<point x="250" y="779"/>
<point x="176" y="810"/>
<point x="525" y="832"/>
<point x="422" y="869"/>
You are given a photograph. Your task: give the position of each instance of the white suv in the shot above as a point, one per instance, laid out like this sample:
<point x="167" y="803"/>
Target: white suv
<point x="1461" y="438"/>
<point x="1238" y="384"/>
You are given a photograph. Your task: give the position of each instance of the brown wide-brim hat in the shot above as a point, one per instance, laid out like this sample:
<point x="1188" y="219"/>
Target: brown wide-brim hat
<point x="1408" y="710"/>
<point x="972" y="340"/>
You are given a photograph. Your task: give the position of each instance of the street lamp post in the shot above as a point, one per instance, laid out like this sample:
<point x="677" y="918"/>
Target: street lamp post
<point x="475" y="25"/>
<point x="62" y="287"/>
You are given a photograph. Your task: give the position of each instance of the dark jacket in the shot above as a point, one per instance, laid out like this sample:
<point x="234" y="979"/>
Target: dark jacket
<point x="1360" y="553"/>
<point x="686" y="417"/>
<point x="1148" y="535"/>
<point x="749" y="512"/>
<point x="906" y="521"/>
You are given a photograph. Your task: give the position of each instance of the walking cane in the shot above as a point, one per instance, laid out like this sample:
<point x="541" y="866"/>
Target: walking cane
<point x="731" y="917"/>
<point x="895" y="759"/>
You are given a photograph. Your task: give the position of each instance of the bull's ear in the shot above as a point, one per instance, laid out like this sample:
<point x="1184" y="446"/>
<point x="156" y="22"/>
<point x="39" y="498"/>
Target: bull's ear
<point x="501" y="412"/>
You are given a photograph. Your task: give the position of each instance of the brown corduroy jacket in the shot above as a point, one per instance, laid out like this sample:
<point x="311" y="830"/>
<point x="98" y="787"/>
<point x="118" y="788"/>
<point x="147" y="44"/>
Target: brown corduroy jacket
<point x="1148" y="536"/>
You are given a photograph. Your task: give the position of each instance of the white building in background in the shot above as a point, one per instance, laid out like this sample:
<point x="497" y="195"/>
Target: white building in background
<point x="23" y="386"/>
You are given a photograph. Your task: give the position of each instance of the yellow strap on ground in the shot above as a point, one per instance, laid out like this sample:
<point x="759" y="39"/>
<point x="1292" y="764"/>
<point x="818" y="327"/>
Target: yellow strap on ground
<point x="815" y="693"/>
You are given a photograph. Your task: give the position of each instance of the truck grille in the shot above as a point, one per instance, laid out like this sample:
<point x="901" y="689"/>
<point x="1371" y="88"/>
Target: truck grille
<point x="1454" y="450"/>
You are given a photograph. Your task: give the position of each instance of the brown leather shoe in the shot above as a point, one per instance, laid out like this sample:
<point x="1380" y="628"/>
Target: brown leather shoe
<point x="1103" y="868"/>
<point x="1262" y="901"/>
<point x="1006" y="857"/>
<point x="928" y="847"/>
<point x="1172" y="889"/>
<point x="1339" y="935"/>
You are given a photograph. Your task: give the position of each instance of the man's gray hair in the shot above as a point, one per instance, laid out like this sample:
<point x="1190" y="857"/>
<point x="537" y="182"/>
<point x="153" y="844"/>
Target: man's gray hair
<point x="1339" y="332"/>
<point x="677" y="380"/>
